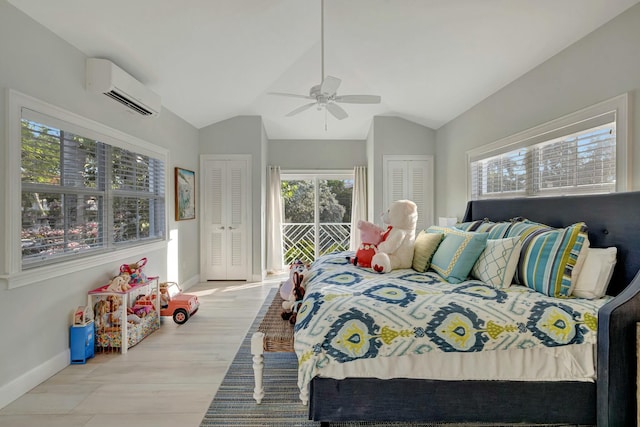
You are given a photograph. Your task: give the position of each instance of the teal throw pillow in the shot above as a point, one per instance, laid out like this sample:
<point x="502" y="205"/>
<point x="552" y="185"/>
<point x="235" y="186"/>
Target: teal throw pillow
<point x="457" y="253"/>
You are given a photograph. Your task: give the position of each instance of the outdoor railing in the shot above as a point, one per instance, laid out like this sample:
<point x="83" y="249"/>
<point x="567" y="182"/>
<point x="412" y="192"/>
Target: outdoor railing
<point x="299" y="240"/>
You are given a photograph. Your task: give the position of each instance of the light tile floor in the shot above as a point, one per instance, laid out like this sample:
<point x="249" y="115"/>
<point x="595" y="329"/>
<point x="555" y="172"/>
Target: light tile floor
<point x="167" y="380"/>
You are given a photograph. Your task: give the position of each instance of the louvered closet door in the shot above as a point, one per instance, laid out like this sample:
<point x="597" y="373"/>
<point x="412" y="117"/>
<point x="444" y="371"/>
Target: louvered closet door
<point x="236" y="220"/>
<point x="225" y="220"/>
<point x="410" y="179"/>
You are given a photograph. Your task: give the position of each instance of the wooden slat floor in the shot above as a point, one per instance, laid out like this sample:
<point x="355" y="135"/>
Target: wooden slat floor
<point x="167" y="380"/>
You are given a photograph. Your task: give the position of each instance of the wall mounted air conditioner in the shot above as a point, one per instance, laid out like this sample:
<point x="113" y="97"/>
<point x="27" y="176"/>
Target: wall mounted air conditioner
<point x="103" y="76"/>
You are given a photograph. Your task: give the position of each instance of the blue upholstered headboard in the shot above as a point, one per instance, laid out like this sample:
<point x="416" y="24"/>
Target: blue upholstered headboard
<point x="612" y="219"/>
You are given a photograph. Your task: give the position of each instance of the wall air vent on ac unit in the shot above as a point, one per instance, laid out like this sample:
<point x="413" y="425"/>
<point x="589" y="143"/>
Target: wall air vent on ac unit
<point x="103" y="76"/>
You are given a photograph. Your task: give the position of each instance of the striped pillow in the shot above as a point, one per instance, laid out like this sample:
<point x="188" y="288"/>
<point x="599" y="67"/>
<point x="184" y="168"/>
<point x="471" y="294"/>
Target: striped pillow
<point x="496" y="230"/>
<point x="548" y="256"/>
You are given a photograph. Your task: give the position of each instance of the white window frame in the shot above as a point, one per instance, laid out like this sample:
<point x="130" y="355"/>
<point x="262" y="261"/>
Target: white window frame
<point x="571" y="123"/>
<point x="14" y="275"/>
<point x="315" y="176"/>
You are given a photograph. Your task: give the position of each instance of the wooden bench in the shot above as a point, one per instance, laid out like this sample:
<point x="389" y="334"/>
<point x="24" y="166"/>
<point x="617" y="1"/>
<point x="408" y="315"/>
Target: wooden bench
<point x="273" y="335"/>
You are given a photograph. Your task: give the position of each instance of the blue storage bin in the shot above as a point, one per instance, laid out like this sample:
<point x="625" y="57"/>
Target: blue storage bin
<point x="81" y="342"/>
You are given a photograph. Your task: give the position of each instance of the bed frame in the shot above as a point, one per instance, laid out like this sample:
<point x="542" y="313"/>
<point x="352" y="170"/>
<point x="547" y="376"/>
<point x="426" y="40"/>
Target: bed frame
<point x="613" y="220"/>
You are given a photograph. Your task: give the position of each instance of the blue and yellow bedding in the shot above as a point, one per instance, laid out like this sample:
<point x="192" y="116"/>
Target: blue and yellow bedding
<point x="352" y="314"/>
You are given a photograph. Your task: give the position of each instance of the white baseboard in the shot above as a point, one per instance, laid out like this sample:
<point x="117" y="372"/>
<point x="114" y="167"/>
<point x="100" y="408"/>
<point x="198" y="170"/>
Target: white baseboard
<point x="189" y="283"/>
<point x="19" y="386"/>
<point x="259" y="277"/>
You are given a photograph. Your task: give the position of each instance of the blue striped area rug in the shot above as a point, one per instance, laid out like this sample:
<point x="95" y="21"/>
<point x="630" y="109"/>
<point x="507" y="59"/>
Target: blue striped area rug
<point x="233" y="405"/>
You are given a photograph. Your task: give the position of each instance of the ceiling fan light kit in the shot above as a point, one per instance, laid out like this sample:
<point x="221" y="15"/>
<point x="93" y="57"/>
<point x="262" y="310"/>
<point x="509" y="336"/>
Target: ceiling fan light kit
<point x="325" y="94"/>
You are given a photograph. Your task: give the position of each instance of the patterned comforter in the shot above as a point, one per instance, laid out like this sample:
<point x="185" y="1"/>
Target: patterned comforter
<point x="351" y="313"/>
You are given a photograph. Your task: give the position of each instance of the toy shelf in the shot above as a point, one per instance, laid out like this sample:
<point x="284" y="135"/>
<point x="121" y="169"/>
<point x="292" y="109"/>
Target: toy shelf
<point x="112" y="310"/>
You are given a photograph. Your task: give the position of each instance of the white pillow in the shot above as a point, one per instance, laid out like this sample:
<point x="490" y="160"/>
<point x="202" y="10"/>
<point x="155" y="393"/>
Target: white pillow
<point x="498" y="262"/>
<point x="596" y="273"/>
<point x="582" y="256"/>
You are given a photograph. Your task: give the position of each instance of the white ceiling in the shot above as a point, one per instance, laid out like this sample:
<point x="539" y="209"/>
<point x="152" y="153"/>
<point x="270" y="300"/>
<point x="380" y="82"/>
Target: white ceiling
<point x="430" y="60"/>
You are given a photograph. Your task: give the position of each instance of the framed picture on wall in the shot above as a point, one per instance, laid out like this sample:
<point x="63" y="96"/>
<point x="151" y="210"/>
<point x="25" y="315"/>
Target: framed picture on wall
<point x="185" y="181"/>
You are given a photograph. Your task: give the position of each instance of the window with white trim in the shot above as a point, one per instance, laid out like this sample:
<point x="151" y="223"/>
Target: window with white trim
<point x="577" y="154"/>
<point x="81" y="195"/>
<point x="317" y="213"/>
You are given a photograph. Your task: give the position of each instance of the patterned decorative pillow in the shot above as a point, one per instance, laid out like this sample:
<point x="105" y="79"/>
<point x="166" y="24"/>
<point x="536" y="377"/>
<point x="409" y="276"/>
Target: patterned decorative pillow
<point x="424" y="248"/>
<point x="457" y="253"/>
<point x="548" y="256"/>
<point x="497" y="264"/>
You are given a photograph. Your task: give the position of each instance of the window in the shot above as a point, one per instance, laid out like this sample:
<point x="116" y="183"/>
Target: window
<point x="76" y="188"/>
<point x="317" y="214"/>
<point x="579" y="154"/>
<point x="80" y="195"/>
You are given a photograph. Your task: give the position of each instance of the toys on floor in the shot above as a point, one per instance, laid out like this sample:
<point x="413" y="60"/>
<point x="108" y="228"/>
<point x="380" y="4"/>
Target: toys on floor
<point x="177" y="304"/>
<point x="292" y="291"/>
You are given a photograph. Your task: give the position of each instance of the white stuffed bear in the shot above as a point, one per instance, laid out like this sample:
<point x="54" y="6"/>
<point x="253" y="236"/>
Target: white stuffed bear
<point x="397" y="249"/>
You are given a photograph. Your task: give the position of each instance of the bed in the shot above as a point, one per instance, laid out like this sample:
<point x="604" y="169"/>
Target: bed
<point x="604" y="397"/>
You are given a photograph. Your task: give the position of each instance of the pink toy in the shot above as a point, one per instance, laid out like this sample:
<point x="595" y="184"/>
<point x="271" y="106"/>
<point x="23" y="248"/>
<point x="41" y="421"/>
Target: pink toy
<point x="135" y="271"/>
<point x="370" y="236"/>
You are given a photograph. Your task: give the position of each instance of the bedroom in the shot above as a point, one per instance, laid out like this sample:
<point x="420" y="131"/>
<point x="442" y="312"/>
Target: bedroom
<point x="534" y="98"/>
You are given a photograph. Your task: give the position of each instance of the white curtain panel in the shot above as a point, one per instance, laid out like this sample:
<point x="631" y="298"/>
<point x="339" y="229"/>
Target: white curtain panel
<point x="358" y="204"/>
<point x="275" y="261"/>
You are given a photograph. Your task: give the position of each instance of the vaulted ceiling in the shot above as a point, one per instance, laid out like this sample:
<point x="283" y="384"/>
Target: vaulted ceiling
<point x="429" y="60"/>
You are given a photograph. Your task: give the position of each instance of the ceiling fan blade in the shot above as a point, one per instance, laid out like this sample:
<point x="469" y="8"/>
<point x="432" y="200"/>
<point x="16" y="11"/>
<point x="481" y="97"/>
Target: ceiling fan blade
<point x="291" y="95"/>
<point x="301" y="109"/>
<point x="337" y="111"/>
<point x="358" y="99"/>
<point x="330" y="85"/>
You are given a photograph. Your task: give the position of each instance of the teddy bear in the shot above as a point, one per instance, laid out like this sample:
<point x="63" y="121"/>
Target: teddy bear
<point x="120" y="283"/>
<point x="396" y="251"/>
<point x="292" y="303"/>
<point x="370" y="236"/>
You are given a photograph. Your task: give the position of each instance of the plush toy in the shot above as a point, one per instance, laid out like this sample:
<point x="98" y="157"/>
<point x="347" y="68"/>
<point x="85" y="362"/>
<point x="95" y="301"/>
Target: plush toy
<point x="287" y="287"/>
<point x="115" y="315"/>
<point x="120" y="283"/>
<point x="370" y="236"/>
<point x="293" y="301"/>
<point x="397" y="249"/>
<point x="135" y="271"/>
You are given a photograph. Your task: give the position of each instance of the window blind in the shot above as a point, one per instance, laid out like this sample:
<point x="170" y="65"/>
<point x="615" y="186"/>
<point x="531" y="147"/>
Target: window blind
<point x="583" y="161"/>
<point x="81" y="195"/>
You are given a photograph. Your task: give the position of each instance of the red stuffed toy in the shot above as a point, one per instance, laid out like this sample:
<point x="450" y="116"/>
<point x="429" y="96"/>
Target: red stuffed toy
<point x="370" y="236"/>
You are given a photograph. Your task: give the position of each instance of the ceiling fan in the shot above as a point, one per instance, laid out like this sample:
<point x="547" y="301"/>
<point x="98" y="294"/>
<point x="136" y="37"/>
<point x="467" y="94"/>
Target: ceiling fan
<point x="325" y="94"/>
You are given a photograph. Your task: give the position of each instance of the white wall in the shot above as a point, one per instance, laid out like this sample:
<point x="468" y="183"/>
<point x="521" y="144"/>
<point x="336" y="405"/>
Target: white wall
<point x="35" y="317"/>
<point x="393" y="135"/>
<point x="604" y="64"/>
<point x="317" y="154"/>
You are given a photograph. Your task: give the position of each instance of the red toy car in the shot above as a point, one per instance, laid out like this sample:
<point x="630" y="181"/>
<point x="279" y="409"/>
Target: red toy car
<point x="174" y="303"/>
